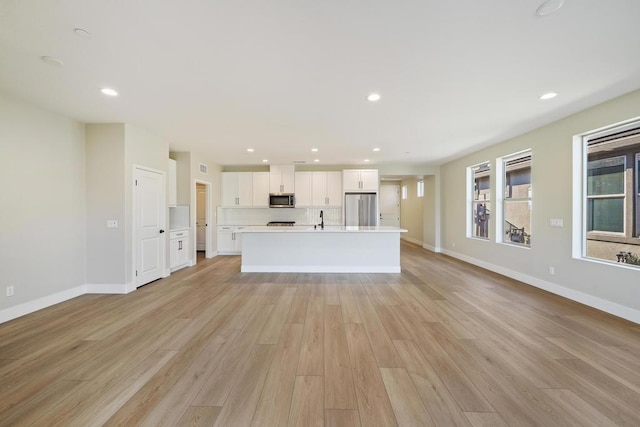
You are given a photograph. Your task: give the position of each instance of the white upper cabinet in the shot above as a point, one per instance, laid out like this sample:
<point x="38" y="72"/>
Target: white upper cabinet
<point x="304" y="192"/>
<point x="319" y="188"/>
<point x="260" y="189"/>
<point x="282" y="179"/>
<point x="327" y="188"/>
<point x="334" y="189"/>
<point x="359" y="180"/>
<point x="173" y="183"/>
<point x="237" y="189"/>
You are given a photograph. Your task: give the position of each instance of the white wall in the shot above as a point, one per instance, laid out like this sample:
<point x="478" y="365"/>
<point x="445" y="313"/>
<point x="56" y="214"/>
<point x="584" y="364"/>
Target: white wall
<point x="411" y="212"/>
<point x="605" y="286"/>
<point x="105" y="201"/>
<point x="42" y="204"/>
<point x="142" y="148"/>
<point x="430" y="211"/>
<point x="112" y="152"/>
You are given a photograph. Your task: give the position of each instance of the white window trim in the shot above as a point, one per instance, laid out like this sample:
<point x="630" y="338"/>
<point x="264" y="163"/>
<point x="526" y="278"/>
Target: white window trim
<point x="420" y="189"/>
<point x="500" y="199"/>
<point x="405" y="192"/>
<point x="579" y="186"/>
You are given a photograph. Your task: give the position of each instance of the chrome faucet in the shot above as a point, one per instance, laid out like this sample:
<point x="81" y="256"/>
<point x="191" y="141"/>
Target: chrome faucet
<point x="321" y="220"/>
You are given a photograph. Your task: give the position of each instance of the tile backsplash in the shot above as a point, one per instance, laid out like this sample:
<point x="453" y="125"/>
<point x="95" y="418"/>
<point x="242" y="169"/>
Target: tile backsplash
<point x="261" y="216"/>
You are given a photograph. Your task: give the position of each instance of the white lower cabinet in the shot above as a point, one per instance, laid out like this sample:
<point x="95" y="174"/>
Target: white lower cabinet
<point x="178" y="249"/>
<point x="229" y="240"/>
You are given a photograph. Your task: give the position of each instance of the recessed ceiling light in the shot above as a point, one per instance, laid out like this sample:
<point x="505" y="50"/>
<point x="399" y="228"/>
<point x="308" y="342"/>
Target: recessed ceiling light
<point x="265" y="161"/>
<point x="366" y="160"/>
<point x="548" y="96"/>
<point x="315" y="150"/>
<point x="82" y="33"/>
<point x="376" y="149"/>
<point x="373" y="97"/>
<point x="108" y="91"/>
<point x="52" y="60"/>
<point x="316" y="160"/>
<point x="250" y="150"/>
<point x="549" y="7"/>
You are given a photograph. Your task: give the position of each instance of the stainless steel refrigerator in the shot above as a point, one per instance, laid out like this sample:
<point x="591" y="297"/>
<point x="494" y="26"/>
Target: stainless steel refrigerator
<point x="361" y="209"/>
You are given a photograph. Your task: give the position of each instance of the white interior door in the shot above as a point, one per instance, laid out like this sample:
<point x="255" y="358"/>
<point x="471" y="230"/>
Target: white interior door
<point x="149" y="222"/>
<point x="390" y="205"/>
<point x="201" y="217"/>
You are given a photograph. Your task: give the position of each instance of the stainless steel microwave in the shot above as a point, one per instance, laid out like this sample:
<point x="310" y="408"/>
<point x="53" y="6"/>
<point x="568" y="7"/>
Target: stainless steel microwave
<point x="280" y="200"/>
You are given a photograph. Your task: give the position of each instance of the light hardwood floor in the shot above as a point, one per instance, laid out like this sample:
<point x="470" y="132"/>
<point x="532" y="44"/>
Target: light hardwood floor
<point x="444" y="343"/>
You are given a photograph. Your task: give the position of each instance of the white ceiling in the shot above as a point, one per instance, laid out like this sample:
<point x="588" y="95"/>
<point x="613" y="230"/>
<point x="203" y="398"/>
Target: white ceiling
<point x="283" y="76"/>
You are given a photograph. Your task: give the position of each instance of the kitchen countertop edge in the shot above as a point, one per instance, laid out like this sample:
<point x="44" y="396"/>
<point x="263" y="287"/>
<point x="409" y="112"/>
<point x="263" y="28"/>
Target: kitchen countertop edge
<point x="329" y="229"/>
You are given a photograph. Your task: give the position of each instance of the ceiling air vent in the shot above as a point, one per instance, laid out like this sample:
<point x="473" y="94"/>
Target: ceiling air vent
<point x="299" y="162"/>
<point x="204" y="168"/>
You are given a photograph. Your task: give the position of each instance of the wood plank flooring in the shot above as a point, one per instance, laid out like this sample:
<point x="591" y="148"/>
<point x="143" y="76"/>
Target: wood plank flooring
<point x="443" y="343"/>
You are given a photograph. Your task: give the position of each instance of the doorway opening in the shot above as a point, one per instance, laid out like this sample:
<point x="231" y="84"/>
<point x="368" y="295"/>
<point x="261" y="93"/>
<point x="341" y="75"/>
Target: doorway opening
<point x="390" y="205"/>
<point x="202" y="246"/>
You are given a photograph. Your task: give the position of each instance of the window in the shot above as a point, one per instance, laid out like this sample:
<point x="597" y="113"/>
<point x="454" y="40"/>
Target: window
<point x="611" y="194"/>
<point x="404" y="192"/>
<point x="516" y="202"/>
<point x="420" y="189"/>
<point x="605" y="194"/>
<point x="480" y="207"/>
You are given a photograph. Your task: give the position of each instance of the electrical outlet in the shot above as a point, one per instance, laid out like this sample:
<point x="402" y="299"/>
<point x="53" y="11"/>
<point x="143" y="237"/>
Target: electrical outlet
<point x="9" y="291"/>
<point x="552" y="271"/>
<point x="556" y="222"/>
<point x="112" y="223"/>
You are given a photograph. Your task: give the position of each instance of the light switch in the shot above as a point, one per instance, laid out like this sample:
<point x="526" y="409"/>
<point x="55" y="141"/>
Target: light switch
<point x="555" y="222"/>
<point x="112" y="223"/>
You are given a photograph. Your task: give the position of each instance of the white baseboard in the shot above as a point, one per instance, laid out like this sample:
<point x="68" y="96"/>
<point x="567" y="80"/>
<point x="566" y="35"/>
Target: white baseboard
<point x="181" y="266"/>
<point x="586" y="299"/>
<point x="411" y="239"/>
<point x="40" y="303"/>
<point x="211" y="254"/>
<point x="435" y="249"/>
<point x="103" y="288"/>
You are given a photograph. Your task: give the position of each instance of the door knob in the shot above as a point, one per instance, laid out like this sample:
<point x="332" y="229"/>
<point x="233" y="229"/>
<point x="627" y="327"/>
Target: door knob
<point x="161" y="231"/>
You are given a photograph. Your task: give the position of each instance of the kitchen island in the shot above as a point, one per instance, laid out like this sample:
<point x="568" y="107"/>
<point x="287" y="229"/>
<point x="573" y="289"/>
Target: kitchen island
<point x="334" y="249"/>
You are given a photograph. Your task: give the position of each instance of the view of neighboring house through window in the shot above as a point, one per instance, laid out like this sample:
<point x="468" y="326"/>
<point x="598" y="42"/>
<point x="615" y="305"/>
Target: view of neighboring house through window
<point x="480" y="207"/>
<point x="420" y="189"/>
<point x="516" y="183"/>
<point x="612" y="196"/>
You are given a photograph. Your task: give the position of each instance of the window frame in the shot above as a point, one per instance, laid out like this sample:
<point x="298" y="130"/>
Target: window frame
<point x="472" y="202"/>
<point x="502" y="201"/>
<point x="623" y="196"/>
<point x="579" y="206"/>
<point x="420" y="188"/>
<point x="405" y="192"/>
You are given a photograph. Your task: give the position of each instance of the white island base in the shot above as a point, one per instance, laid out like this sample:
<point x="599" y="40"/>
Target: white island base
<point x="332" y="250"/>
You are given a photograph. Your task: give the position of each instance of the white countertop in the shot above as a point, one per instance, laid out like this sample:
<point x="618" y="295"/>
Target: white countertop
<point x="327" y="229"/>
